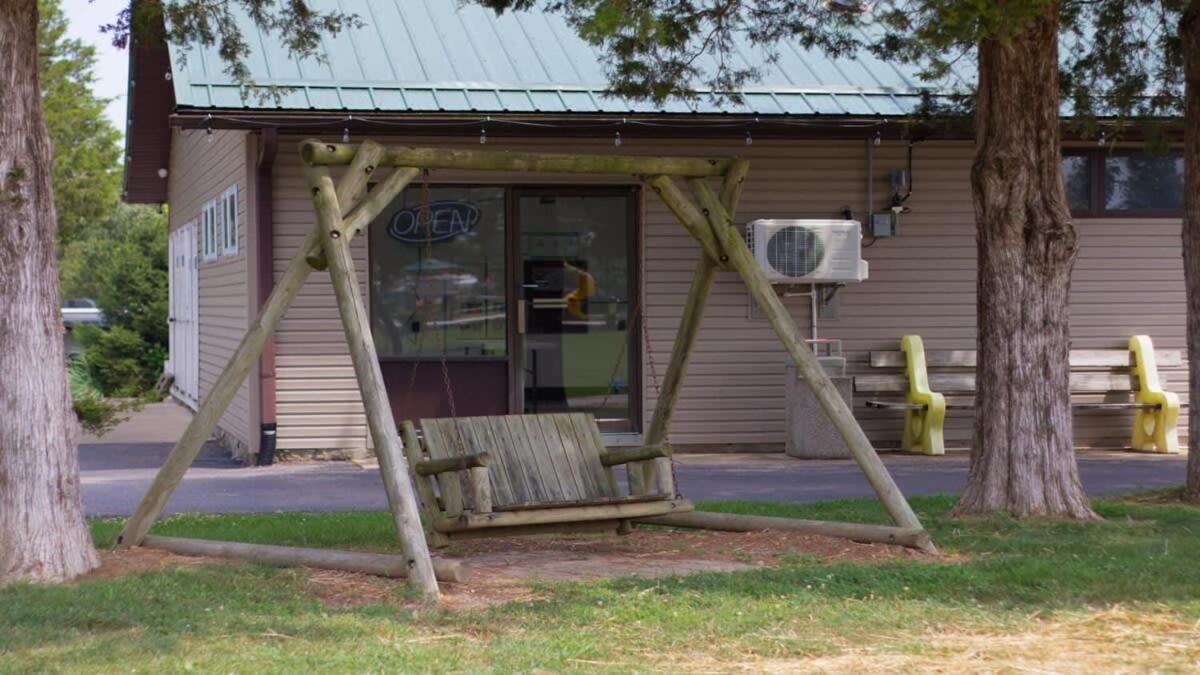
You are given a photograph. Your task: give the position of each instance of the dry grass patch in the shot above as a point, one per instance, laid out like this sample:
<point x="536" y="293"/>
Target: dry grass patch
<point x="1113" y="640"/>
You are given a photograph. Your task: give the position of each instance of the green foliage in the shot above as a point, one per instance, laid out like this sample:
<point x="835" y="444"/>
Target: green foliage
<point x="1126" y="60"/>
<point x="122" y="265"/>
<point x="299" y="26"/>
<point x="668" y="48"/>
<point x="96" y="413"/>
<point x="122" y="363"/>
<point x="1120" y="57"/>
<point x="85" y="176"/>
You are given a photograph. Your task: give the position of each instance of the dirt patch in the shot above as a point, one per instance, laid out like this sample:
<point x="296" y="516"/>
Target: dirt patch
<point x="505" y="570"/>
<point x="127" y="561"/>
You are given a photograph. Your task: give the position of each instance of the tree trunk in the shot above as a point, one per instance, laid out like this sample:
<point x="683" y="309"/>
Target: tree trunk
<point x="1023" y="461"/>
<point x="1189" y="31"/>
<point x="43" y="535"/>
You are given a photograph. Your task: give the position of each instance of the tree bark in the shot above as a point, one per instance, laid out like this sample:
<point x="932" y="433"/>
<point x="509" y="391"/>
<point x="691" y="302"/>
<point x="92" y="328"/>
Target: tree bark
<point x="1189" y="31"/>
<point x="43" y="534"/>
<point x="1023" y="461"/>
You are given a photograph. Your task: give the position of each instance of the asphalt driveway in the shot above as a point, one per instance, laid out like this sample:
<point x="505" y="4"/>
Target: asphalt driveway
<point x="115" y="475"/>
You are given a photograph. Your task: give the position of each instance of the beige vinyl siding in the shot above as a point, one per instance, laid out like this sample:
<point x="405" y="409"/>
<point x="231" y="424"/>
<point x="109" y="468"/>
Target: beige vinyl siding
<point x="317" y="400"/>
<point x="1128" y="280"/>
<point x="202" y="168"/>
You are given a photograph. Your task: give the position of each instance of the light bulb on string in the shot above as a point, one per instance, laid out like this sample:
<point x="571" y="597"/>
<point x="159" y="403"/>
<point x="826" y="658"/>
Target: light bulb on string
<point x="617" y="139"/>
<point x="482" y="136"/>
<point x="877" y="139"/>
<point x="208" y="134"/>
<point x="1102" y="140"/>
<point x="749" y="138"/>
<point x="346" y="135"/>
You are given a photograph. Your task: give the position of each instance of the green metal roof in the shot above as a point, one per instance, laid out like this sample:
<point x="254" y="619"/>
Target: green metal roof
<point x="435" y="56"/>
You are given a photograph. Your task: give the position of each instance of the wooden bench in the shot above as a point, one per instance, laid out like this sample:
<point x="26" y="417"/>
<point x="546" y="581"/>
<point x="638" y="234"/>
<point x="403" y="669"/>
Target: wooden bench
<point x="1093" y="371"/>
<point x="525" y="474"/>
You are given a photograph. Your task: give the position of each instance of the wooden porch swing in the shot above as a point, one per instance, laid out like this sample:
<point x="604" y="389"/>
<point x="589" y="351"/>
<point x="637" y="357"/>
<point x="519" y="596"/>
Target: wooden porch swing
<point x="493" y="475"/>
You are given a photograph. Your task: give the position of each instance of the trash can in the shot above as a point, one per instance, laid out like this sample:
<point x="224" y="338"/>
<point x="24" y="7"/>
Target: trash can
<point x="810" y="433"/>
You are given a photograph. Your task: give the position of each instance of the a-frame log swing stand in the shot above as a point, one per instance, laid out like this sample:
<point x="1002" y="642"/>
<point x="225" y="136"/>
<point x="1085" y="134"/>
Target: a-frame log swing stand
<point x="345" y="207"/>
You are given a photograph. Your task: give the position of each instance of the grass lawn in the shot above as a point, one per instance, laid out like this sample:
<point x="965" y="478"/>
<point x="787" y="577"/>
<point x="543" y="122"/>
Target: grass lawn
<point x="1119" y="595"/>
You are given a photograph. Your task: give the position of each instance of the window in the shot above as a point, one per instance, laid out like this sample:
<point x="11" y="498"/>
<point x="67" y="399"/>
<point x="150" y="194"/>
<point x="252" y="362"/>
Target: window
<point x="438" y="274"/>
<point x="1077" y="175"/>
<point x="229" y="217"/>
<point x="1123" y="183"/>
<point x="208" y="233"/>
<point x="1141" y="183"/>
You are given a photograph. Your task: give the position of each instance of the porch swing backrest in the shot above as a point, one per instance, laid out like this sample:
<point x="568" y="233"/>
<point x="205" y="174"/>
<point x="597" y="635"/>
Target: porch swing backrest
<point x="534" y="459"/>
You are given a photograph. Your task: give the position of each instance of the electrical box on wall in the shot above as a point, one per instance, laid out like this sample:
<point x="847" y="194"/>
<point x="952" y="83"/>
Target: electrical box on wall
<point x="885" y="224"/>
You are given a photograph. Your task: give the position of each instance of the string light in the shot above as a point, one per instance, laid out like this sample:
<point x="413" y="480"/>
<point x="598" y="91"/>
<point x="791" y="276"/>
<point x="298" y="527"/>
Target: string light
<point x="1102" y="140"/>
<point x="321" y="125"/>
<point x="315" y="123"/>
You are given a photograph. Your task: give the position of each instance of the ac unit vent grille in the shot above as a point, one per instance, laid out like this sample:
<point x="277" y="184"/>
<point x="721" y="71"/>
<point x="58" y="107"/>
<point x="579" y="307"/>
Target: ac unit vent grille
<point x="795" y="251"/>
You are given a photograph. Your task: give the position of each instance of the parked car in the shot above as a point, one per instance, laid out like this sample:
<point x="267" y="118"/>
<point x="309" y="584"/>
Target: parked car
<point x="81" y="310"/>
<point x="75" y="312"/>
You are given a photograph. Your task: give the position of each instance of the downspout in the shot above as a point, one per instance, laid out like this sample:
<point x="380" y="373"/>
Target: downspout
<point x="265" y="238"/>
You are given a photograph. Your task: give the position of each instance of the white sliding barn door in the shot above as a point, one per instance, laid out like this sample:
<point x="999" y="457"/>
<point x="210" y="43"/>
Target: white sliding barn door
<point x="184" y="330"/>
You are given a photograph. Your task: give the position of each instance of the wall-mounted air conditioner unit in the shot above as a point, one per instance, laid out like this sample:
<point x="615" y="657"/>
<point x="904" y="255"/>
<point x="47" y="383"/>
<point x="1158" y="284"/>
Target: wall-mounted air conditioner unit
<point x="808" y="251"/>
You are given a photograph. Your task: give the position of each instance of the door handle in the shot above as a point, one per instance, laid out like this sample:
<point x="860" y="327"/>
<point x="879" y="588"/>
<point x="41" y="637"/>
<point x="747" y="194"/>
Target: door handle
<point x="520" y="317"/>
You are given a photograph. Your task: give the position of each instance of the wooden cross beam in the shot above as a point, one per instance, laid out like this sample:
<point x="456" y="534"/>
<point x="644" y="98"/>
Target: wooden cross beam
<point x="318" y="153"/>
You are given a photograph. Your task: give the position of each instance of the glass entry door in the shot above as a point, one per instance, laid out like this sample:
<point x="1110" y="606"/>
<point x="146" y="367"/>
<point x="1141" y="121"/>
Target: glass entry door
<point x="576" y="280"/>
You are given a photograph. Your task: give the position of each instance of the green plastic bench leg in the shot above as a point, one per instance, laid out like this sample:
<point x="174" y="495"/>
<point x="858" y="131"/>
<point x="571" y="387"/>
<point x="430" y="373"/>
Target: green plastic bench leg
<point x="923" y="429"/>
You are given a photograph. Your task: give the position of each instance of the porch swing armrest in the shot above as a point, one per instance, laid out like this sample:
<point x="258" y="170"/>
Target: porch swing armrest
<point x="434" y="467"/>
<point x="644" y="453"/>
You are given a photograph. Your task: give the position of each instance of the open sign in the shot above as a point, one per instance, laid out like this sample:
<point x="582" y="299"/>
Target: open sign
<point x="447" y="219"/>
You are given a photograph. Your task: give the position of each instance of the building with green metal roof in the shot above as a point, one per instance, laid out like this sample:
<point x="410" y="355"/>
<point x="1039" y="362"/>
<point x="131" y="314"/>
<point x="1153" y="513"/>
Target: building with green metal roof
<point x="542" y="293"/>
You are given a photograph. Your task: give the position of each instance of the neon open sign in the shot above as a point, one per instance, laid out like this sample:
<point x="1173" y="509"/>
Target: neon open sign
<point x="447" y="219"/>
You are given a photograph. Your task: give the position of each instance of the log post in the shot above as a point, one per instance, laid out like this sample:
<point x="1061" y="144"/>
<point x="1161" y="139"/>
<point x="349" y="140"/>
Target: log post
<point x="380" y="564"/>
<point x="427" y="500"/>
<point x="693" y="310"/>
<point x="742" y="260"/>
<point x="481" y="489"/>
<point x="320" y="153"/>
<point x="392" y="465"/>
<point x="244" y="357"/>
<point x="729" y="522"/>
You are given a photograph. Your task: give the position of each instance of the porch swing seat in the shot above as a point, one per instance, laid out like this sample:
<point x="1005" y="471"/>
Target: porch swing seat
<point x="525" y="474"/>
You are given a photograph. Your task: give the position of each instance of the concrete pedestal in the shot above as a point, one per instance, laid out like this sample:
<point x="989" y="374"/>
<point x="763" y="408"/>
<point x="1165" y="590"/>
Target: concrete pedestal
<point x="810" y="434"/>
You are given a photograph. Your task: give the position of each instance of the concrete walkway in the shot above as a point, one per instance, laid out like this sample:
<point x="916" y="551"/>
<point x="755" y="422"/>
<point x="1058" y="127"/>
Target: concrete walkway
<point x="118" y="467"/>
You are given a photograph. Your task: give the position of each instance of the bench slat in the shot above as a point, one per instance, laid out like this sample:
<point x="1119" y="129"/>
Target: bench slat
<point x="957" y="383"/>
<point x="1080" y="358"/>
<point x="535" y="459"/>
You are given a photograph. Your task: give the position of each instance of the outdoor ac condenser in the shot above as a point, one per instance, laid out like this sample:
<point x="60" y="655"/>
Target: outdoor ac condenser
<point x="808" y="251"/>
